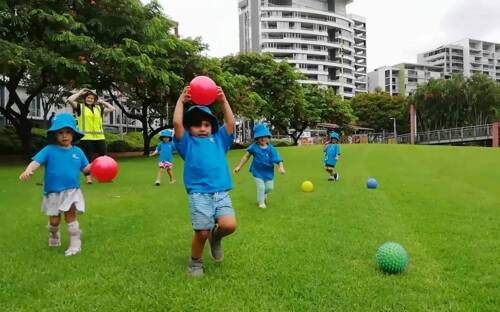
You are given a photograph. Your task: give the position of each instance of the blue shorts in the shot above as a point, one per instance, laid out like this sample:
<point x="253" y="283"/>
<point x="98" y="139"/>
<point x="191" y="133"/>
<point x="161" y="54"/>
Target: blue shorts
<point x="207" y="208"/>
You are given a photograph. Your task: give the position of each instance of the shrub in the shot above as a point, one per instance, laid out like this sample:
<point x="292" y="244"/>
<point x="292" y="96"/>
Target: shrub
<point x="10" y="143"/>
<point x="119" y="146"/>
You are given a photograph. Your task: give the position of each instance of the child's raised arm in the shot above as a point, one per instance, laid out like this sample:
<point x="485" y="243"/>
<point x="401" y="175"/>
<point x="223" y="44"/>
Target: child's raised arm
<point x="228" y="112"/>
<point x="243" y="161"/>
<point x="179" y="113"/>
<point x="29" y="171"/>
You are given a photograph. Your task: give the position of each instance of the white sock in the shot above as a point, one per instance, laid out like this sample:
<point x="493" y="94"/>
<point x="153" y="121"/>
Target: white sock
<point x="75" y="244"/>
<point x="73" y="227"/>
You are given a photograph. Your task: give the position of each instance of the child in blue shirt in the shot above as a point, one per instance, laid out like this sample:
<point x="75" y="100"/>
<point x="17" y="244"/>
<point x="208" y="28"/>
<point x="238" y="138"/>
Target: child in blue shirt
<point x="63" y="164"/>
<point x="166" y="151"/>
<point x="332" y="155"/>
<point x="203" y="145"/>
<point x="265" y="156"/>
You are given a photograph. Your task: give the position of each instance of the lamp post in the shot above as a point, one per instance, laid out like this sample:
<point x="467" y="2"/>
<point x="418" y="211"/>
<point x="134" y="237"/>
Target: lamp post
<point x="394" y="129"/>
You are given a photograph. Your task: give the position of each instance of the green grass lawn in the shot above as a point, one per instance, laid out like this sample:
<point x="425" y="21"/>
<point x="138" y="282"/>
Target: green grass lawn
<point x="306" y="252"/>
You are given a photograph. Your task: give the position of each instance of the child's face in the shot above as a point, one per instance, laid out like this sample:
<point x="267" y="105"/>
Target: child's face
<point x="64" y="137"/>
<point x="203" y="130"/>
<point x="90" y="99"/>
<point x="165" y="139"/>
<point x="333" y="141"/>
<point x="263" y="141"/>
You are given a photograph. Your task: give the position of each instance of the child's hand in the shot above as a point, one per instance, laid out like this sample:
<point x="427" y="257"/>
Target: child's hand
<point x="221" y="97"/>
<point x="237" y="169"/>
<point x="337" y="158"/>
<point x="282" y="170"/>
<point x="185" y="95"/>
<point x="25" y="175"/>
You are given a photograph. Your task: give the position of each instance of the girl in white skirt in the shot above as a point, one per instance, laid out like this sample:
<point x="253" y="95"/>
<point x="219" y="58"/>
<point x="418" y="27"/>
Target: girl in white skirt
<point x="63" y="164"/>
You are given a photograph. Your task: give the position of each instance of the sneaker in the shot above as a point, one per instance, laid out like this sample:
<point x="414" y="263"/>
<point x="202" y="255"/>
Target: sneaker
<point x="71" y="251"/>
<point x="331" y="178"/>
<point x="215" y="246"/>
<point x="336" y="176"/>
<point x="75" y="244"/>
<point x="195" y="267"/>
<point x="172" y="181"/>
<point x="157" y="183"/>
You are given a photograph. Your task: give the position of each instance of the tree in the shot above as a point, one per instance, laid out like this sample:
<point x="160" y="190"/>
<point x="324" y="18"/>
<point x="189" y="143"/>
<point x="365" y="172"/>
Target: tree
<point x="333" y="109"/>
<point x="277" y="95"/>
<point x="375" y="110"/>
<point x="52" y="98"/>
<point x="456" y="102"/>
<point x="40" y="45"/>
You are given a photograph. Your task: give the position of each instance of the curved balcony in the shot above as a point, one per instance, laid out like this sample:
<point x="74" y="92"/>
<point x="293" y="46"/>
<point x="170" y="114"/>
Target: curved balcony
<point x="324" y="63"/>
<point x="291" y="51"/>
<point x="328" y="44"/>
<point x="308" y="16"/>
<point x="331" y="83"/>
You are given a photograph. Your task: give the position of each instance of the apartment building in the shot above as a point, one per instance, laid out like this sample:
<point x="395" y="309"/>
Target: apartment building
<point x="466" y="57"/>
<point x="402" y="79"/>
<point x="318" y="37"/>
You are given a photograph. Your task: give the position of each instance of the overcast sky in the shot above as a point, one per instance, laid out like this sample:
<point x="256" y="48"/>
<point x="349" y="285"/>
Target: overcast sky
<point x="397" y="29"/>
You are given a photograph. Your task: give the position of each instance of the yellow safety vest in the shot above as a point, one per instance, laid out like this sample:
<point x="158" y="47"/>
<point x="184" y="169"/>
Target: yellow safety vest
<point x="90" y="122"/>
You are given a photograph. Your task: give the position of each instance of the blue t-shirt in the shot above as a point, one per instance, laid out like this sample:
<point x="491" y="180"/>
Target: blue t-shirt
<point x="166" y="150"/>
<point x="205" y="164"/>
<point x="263" y="161"/>
<point x="332" y="150"/>
<point x="62" y="167"/>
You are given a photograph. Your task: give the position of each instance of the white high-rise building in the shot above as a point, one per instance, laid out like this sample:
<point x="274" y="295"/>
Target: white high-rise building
<point x="466" y="57"/>
<point x="402" y="79"/>
<point x="317" y="36"/>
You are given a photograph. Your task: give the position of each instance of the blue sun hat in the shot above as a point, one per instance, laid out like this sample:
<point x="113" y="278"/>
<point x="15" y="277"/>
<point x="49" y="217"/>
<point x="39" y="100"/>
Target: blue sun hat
<point x="261" y="130"/>
<point x="204" y="110"/>
<point x="166" y="133"/>
<point x="334" y="135"/>
<point x="64" y="120"/>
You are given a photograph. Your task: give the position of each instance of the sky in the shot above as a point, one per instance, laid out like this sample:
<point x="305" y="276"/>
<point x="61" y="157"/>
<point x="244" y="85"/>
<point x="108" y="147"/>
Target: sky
<point x="397" y="30"/>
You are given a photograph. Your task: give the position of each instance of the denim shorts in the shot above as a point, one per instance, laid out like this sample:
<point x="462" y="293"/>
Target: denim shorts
<point x="207" y="208"/>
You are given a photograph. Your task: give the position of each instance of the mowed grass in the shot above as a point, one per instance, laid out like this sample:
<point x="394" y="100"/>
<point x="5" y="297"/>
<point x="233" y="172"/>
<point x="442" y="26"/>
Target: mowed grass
<point x="306" y="252"/>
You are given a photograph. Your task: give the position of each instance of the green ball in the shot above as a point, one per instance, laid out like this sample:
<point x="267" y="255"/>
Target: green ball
<point x="392" y="258"/>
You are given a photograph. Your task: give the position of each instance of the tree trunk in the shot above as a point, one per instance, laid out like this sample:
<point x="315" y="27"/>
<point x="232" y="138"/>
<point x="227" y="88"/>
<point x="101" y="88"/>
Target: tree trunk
<point x="23" y="131"/>
<point x="145" y="136"/>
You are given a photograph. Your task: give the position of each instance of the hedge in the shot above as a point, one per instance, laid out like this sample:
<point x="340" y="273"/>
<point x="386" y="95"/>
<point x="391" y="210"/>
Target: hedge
<point x="11" y="145"/>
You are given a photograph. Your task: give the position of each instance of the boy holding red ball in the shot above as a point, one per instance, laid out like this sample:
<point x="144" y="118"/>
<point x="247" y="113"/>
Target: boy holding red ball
<point x="203" y="145"/>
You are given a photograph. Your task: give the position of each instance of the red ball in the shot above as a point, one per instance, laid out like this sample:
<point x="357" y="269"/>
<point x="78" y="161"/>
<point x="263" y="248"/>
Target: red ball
<point x="104" y="169"/>
<point x="203" y="90"/>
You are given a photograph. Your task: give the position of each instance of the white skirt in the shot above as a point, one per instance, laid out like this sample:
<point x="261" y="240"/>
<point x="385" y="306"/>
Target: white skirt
<point x="54" y="204"/>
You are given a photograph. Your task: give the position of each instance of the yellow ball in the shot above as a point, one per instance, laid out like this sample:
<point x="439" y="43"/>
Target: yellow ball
<point x="307" y="186"/>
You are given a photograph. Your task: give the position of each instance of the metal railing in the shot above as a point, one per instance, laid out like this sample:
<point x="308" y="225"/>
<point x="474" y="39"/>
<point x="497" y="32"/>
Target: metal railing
<point x="444" y="136"/>
<point x="455" y="135"/>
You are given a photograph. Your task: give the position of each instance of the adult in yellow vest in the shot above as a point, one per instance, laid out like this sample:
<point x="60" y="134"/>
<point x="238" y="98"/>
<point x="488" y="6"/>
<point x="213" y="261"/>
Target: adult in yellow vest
<point x="90" y="114"/>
